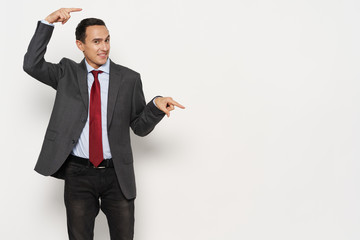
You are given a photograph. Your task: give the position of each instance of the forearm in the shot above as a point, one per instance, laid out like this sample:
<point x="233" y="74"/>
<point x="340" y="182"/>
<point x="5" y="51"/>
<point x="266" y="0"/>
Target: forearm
<point x="37" y="47"/>
<point x="143" y="117"/>
<point x="34" y="62"/>
<point x="146" y="121"/>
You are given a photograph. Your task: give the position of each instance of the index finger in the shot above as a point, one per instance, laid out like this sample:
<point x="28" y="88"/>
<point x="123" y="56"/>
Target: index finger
<point x="177" y="104"/>
<point x="73" y="9"/>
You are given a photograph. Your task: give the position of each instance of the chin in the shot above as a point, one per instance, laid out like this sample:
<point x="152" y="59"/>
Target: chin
<point x="103" y="61"/>
<point x="100" y="63"/>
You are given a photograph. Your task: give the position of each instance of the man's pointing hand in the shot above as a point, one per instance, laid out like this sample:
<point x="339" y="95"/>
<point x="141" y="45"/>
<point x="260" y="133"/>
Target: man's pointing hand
<point x="167" y="104"/>
<point x="62" y="15"/>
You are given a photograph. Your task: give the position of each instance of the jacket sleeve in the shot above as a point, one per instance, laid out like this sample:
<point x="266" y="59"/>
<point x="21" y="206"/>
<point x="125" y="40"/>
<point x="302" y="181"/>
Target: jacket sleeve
<point x="34" y="62"/>
<point x="143" y="117"/>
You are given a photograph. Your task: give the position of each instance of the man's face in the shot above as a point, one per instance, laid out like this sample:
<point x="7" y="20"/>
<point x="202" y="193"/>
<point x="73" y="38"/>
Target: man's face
<point x="97" y="45"/>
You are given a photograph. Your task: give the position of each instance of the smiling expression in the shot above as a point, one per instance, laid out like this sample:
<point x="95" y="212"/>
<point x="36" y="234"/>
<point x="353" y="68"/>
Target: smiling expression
<point x="96" y="47"/>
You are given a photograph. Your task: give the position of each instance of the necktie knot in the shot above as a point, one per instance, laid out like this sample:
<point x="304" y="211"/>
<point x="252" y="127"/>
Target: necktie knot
<point x="96" y="72"/>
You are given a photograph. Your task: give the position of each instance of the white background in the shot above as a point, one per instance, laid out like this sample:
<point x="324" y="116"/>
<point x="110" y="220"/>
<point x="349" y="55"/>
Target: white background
<point x="268" y="147"/>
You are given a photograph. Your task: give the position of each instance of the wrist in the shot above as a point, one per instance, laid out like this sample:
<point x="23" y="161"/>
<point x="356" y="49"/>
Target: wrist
<point x="47" y="23"/>
<point x="155" y="100"/>
<point x="47" y="19"/>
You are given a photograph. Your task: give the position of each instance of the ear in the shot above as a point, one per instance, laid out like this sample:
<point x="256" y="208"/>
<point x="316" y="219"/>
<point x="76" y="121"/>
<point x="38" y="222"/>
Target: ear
<point x="80" y="45"/>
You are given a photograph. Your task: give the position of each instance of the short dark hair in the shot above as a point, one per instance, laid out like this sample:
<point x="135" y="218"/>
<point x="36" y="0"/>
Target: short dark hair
<point x="80" y="32"/>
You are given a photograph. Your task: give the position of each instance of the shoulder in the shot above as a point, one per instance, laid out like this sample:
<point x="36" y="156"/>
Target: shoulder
<point x="71" y="67"/>
<point x="68" y="62"/>
<point x="71" y="64"/>
<point x="125" y="71"/>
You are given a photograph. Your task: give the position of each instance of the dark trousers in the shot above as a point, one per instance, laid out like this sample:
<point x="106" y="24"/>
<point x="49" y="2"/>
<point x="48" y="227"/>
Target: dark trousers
<point x="84" y="187"/>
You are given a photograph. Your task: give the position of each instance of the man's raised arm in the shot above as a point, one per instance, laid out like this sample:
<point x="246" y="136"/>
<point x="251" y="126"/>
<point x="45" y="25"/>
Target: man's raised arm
<point x="34" y="62"/>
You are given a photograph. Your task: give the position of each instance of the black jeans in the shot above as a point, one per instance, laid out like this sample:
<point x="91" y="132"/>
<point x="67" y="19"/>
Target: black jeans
<point x="84" y="187"/>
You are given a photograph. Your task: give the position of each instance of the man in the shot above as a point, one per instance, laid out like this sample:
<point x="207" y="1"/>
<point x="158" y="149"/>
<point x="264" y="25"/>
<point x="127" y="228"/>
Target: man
<point x="87" y="141"/>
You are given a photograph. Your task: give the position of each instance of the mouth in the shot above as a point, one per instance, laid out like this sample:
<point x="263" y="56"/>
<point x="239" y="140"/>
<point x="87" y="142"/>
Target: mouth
<point x="102" y="55"/>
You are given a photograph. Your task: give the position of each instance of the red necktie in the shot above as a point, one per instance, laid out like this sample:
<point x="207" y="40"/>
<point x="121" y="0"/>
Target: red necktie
<point x="95" y="135"/>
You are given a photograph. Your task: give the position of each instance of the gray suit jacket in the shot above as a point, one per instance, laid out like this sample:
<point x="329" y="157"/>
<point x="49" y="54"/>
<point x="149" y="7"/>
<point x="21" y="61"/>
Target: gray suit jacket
<point x="126" y="108"/>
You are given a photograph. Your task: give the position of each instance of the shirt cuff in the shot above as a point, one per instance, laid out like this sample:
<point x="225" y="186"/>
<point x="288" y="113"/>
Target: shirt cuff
<point x="47" y="23"/>
<point x="154" y="109"/>
<point x="154" y="101"/>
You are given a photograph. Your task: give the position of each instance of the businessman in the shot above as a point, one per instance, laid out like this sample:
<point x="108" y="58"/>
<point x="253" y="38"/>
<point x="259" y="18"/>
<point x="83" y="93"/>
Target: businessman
<point x="87" y="142"/>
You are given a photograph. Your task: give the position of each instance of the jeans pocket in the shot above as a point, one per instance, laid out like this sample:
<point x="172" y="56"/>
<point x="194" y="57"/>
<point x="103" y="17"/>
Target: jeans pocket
<point x="72" y="170"/>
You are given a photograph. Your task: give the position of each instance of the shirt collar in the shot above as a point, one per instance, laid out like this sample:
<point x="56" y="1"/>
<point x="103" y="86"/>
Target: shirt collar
<point x="105" y="67"/>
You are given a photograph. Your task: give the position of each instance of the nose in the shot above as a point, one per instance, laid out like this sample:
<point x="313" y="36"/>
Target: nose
<point x="105" y="46"/>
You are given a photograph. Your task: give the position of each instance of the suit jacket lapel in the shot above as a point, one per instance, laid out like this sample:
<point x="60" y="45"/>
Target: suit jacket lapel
<point x="115" y="80"/>
<point x="82" y="81"/>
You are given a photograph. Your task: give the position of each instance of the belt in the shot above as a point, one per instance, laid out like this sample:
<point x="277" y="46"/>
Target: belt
<point x="106" y="163"/>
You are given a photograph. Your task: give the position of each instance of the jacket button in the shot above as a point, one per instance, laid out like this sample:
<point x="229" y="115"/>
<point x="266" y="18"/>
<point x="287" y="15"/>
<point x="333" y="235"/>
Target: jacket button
<point x="73" y="141"/>
<point x="83" y="120"/>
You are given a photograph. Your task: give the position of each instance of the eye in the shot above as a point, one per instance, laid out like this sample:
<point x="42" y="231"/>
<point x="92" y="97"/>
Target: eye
<point x="107" y="40"/>
<point x="96" y="41"/>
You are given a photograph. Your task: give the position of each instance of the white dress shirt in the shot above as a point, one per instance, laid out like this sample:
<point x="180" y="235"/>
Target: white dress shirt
<point x="82" y="147"/>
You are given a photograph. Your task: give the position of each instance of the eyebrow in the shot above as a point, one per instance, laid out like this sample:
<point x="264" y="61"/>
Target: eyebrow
<point x="98" y="39"/>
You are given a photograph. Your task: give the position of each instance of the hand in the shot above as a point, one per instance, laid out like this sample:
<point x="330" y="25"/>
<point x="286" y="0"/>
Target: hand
<point x="166" y="104"/>
<point x="62" y="15"/>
